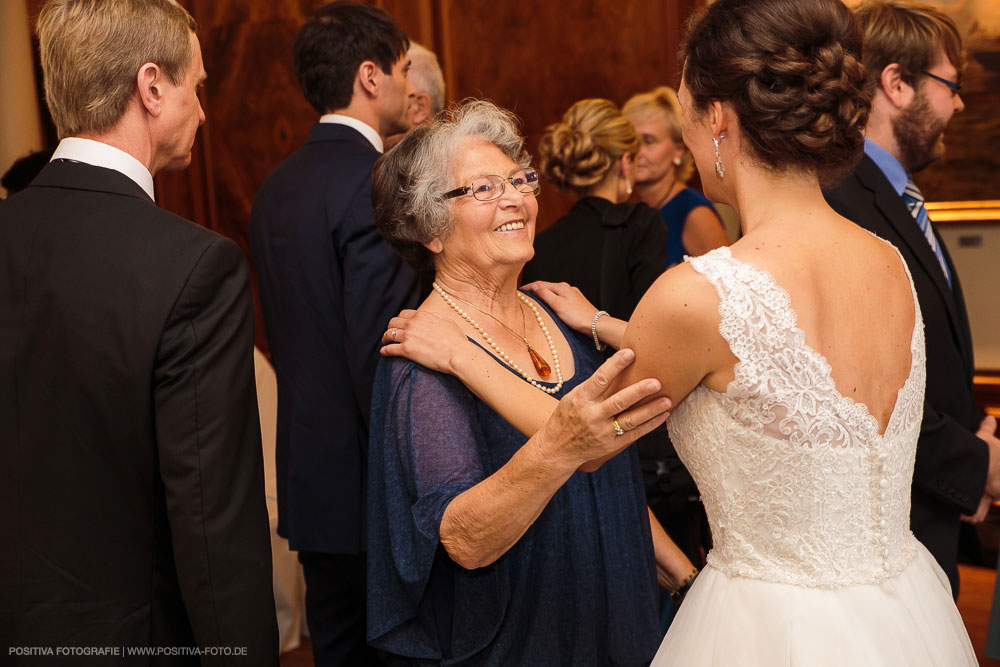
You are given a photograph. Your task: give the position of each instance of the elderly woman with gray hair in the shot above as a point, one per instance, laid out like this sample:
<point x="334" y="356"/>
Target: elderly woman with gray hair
<point x="504" y="526"/>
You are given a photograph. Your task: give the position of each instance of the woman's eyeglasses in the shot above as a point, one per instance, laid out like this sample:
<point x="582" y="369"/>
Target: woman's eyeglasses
<point x="488" y="188"/>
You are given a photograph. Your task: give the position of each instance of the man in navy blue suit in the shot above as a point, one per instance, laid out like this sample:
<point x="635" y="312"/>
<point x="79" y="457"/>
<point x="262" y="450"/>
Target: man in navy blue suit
<point x="328" y="286"/>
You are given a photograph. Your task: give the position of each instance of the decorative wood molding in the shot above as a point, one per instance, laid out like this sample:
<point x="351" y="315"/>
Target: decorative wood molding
<point x="979" y="211"/>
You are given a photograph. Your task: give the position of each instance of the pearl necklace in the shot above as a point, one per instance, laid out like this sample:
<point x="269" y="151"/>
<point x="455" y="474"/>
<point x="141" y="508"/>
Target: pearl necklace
<point x="503" y="355"/>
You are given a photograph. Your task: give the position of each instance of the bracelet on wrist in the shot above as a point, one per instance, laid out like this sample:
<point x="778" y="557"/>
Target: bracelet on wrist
<point x="682" y="590"/>
<point x="593" y="329"/>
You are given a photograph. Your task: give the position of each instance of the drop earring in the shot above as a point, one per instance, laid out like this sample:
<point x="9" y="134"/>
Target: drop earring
<point x="720" y="168"/>
<point x="628" y="188"/>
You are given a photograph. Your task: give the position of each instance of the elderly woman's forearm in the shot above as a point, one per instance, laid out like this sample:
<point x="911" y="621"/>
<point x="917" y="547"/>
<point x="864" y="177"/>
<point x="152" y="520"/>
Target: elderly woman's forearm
<point x="481" y="524"/>
<point x="526" y="408"/>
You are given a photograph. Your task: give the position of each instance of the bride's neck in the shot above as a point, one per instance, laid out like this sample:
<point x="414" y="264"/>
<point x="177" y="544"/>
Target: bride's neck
<point x="764" y="199"/>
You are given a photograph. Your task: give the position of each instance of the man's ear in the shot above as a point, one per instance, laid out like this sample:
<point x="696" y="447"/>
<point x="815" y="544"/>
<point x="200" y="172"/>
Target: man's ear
<point x="422" y="107"/>
<point x="370" y="77"/>
<point x="149" y="82"/>
<point x="435" y="245"/>
<point x="894" y="87"/>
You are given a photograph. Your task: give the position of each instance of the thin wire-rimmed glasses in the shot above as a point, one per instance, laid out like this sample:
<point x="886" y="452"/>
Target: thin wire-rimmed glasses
<point x="488" y="188"/>
<point x="955" y="87"/>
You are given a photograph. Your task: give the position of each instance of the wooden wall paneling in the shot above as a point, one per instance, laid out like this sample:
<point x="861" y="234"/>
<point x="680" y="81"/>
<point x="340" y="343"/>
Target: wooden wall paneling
<point x="415" y="17"/>
<point x="538" y="63"/>
<point x="255" y="114"/>
<point x="535" y="62"/>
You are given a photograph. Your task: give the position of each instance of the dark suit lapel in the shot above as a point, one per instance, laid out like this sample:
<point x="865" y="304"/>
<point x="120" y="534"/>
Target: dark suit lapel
<point x="894" y="210"/>
<point x="79" y="176"/>
<point x="962" y="320"/>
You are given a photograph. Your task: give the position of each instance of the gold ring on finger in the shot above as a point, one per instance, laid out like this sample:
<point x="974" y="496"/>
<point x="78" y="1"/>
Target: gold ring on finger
<point x="394" y="336"/>
<point x="618" y="428"/>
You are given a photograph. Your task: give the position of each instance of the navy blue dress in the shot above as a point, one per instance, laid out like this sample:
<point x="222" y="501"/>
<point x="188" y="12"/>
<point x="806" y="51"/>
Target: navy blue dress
<point x="675" y="213"/>
<point x="579" y="588"/>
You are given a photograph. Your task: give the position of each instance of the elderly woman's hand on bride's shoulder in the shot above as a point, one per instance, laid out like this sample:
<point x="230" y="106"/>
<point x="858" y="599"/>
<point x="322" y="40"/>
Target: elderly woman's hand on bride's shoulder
<point x="424" y="337"/>
<point x="593" y="423"/>
<point x="567" y="301"/>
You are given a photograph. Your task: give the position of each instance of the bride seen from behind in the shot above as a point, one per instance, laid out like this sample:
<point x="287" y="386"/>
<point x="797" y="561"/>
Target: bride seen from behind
<point x="795" y="359"/>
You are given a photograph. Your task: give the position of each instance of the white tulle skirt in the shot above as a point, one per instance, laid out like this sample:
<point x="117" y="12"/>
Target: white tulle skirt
<point x="909" y="620"/>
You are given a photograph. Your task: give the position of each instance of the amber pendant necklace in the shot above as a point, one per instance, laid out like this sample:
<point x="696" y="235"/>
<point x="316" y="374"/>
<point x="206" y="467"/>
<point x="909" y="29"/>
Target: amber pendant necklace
<point x="541" y="366"/>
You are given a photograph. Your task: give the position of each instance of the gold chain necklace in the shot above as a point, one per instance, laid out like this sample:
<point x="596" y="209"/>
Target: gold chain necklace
<point x="540" y="365"/>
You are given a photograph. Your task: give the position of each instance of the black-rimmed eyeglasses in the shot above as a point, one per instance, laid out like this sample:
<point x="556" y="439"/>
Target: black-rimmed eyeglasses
<point x="955" y="87"/>
<point x="488" y="188"/>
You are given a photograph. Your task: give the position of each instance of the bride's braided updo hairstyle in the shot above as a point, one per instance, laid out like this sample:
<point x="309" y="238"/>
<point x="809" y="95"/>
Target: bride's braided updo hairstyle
<point x="791" y="71"/>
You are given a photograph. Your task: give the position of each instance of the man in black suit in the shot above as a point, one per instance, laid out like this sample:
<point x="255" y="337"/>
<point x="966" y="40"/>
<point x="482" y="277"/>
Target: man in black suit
<point x="131" y="475"/>
<point x="328" y="286"/>
<point x="913" y="54"/>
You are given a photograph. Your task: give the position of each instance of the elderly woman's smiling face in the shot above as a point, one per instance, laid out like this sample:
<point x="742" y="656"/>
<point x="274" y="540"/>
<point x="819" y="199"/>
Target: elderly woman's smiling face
<point x="488" y="234"/>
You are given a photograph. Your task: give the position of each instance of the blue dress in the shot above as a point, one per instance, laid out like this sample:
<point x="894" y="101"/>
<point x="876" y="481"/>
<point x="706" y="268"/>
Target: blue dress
<point x="579" y="588"/>
<point x="675" y="213"/>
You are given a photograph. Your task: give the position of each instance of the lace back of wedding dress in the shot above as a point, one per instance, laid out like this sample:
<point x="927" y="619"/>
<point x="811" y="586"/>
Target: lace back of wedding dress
<point x="798" y="484"/>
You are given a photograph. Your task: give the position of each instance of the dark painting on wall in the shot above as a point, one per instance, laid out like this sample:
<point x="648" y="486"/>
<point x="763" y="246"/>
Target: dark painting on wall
<point x="970" y="169"/>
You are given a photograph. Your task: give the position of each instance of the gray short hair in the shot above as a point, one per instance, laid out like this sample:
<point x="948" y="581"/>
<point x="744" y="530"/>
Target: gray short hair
<point x="425" y="73"/>
<point x="410" y="179"/>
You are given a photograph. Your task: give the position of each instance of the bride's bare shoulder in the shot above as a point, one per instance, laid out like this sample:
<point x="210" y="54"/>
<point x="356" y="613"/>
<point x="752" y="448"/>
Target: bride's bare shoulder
<point x="682" y="299"/>
<point x="674" y="332"/>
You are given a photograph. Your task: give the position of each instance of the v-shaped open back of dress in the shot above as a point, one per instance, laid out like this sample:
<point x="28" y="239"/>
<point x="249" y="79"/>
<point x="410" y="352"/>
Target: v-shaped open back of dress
<point x="813" y="560"/>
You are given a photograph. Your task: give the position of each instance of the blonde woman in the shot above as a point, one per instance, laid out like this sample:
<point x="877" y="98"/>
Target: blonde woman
<point x="612" y="251"/>
<point x="663" y="168"/>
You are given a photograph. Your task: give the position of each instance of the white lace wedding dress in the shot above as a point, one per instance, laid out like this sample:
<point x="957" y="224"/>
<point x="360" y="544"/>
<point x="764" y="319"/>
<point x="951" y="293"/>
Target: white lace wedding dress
<point x="813" y="560"/>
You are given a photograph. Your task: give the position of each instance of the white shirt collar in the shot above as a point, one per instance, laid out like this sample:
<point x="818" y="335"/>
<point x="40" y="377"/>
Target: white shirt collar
<point x="364" y="128"/>
<point x="104" y="155"/>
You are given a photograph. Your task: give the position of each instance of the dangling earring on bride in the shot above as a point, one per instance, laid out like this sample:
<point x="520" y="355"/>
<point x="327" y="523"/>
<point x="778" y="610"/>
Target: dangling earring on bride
<point x="720" y="168"/>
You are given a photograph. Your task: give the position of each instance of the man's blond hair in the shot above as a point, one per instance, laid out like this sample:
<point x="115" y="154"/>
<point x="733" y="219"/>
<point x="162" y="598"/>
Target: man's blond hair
<point x="92" y="50"/>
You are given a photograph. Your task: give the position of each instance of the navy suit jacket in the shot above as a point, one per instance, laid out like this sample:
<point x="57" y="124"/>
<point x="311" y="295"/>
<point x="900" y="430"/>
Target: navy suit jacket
<point x="951" y="465"/>
<point x="329" y="284"/>
<point x="131" y="475"/>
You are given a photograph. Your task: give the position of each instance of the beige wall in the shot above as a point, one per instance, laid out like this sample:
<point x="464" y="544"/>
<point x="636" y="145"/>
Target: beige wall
<point x="20" y="127"/>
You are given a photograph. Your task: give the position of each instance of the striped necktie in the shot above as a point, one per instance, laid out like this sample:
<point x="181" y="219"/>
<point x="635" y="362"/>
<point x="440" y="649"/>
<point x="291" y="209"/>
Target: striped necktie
<point x="915" y="202"/>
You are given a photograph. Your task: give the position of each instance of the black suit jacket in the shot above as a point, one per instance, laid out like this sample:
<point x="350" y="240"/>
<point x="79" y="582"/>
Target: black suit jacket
<point x="951" y="465"/>
<point x="131" y="475"/>
<point x="328" y="285"/>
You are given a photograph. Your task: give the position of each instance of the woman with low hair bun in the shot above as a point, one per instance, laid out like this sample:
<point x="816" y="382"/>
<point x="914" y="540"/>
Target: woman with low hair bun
<point x="663" y="168"/>
<point x="612" y="251"/>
